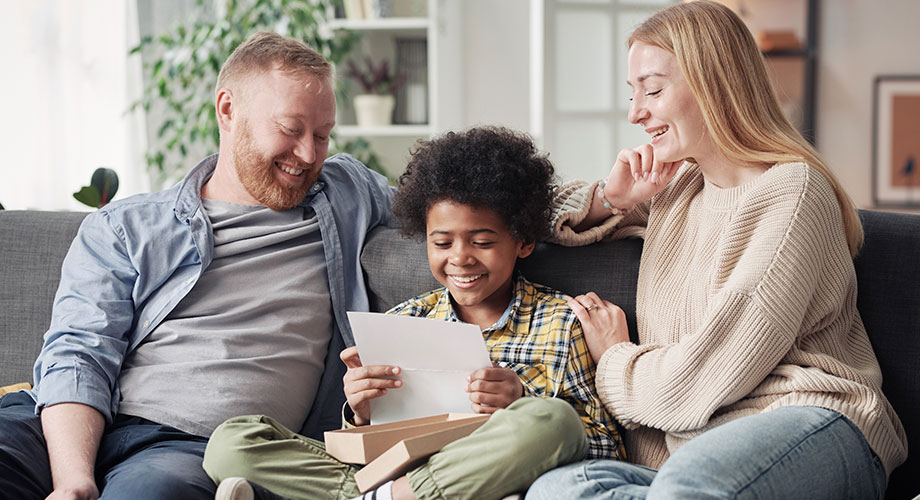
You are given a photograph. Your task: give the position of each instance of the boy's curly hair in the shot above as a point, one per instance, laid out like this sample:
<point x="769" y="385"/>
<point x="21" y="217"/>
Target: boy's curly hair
<point x="484" y="167"/>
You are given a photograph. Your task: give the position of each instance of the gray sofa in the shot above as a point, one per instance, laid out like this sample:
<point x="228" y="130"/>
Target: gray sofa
<point x="33" y="244"/>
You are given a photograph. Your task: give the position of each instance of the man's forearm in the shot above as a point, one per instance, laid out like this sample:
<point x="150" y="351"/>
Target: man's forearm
<point x="72" y="433"/>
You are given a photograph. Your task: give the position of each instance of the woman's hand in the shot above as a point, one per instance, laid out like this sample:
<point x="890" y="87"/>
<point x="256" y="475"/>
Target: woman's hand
<point x="603" y="323"/>
<point x="493" y="388"/>
<point x="637" y="176"/>
<point x="364" y="383"/>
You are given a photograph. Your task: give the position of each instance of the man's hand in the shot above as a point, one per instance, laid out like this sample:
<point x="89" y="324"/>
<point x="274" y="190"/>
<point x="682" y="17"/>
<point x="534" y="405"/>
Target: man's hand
<point x="364" y="383"/>
<point x="493" y="388"/>
<point x="603" y="323"/>
<point x="84" y="490"/>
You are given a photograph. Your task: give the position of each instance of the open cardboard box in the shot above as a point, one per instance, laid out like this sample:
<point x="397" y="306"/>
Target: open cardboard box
<point x="391" y="449"/>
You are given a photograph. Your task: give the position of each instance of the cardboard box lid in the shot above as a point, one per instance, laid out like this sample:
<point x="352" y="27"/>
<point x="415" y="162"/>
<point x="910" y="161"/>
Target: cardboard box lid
<point x="361" y="445"/>
<point x="411" y="452"/>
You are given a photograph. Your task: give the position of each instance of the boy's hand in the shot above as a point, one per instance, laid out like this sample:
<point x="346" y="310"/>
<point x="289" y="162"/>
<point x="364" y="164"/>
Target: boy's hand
<point x="364" y="383"/>
<point x="493" y="388"/>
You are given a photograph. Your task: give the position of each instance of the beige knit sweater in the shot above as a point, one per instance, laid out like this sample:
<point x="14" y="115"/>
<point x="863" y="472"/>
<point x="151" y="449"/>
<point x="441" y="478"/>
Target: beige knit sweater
<point x="746" y="302"/>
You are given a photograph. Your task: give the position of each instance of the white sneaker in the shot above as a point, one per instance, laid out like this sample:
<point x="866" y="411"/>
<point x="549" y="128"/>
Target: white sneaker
<point x="237" y="488"/>
<point x="234" y="488"/>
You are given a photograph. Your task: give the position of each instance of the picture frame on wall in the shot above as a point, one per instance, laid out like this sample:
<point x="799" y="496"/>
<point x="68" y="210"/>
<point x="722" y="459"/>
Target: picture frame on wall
<point x="896" y="141"/>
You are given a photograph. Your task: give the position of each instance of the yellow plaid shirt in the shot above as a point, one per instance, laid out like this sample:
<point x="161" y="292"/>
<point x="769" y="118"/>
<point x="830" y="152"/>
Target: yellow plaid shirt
<point x="540" y="338"/>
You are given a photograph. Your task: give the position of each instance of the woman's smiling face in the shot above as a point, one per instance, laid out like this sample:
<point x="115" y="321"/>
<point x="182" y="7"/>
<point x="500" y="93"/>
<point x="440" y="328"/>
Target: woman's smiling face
<point x="664" y="105"/>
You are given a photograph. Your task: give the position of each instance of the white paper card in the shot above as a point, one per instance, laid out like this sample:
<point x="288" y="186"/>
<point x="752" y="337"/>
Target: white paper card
<point x="434" y="357"/>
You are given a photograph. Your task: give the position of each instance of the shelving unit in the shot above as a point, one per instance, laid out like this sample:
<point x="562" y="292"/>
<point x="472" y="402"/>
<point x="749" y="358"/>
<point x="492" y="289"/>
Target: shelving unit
<point x="387" y="131"/>
<point x="793" y="70"/>
<point x="439" y="27"/>
<point x="387" y="24"/>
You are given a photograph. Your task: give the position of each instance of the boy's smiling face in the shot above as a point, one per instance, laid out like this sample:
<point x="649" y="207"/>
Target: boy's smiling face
<point x="472" y="253"/>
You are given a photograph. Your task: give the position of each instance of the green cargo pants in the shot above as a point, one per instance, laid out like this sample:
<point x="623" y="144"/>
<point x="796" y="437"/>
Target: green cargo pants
<point x="503" y="456"/>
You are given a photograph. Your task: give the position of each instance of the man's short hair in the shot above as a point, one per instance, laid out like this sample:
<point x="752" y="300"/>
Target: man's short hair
<point x="266" y="51"/>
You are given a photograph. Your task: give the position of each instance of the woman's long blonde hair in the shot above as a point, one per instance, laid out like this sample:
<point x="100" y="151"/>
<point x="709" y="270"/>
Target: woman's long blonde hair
<point x="727" y="74"/>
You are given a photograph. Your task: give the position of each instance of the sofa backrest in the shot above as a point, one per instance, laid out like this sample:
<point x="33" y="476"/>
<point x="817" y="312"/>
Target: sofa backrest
<point x="396" y="269"/>
<point x="888" y="270"/>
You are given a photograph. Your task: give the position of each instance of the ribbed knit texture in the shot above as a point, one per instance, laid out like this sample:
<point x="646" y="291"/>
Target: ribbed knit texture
<point x="746" y="302"/>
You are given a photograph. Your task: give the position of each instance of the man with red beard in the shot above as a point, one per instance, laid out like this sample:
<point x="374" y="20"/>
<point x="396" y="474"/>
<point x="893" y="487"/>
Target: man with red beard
<point x="224" y="295"/>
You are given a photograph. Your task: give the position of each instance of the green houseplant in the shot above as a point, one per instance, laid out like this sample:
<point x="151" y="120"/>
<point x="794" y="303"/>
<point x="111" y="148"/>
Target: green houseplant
<point x="102" y="188"/>
<point x="183" y="64"/>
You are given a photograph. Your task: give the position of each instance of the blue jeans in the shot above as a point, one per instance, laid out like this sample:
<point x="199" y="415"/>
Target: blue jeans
<point x="791" y="452"/>
<point x="137" y="459"/>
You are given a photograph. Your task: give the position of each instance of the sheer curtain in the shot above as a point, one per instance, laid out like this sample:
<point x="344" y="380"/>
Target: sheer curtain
<point x="68" y="84"/>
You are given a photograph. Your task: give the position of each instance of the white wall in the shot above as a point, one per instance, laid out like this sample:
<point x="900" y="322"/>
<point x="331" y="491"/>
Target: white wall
<point x="858" y="40"/>
<point x="496" y="52"/>
<point x="68" y="83"/>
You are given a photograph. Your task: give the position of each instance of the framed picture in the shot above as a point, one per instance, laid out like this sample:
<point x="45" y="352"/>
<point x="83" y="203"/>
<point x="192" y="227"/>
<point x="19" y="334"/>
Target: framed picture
<point x="896" y="141"/>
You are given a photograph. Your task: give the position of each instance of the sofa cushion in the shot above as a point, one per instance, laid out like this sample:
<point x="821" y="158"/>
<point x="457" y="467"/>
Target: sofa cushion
<point x="15" y="387"/>
<point x="395" y="268"/>
<point x="34" y="245"/>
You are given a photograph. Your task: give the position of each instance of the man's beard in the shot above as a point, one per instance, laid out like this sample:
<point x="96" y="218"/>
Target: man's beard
<point x="257" y="174"/>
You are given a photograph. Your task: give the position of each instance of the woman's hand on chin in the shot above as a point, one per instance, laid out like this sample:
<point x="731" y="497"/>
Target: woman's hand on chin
<point x="603" y="323"/>
<point x="634" y="179"/>
<point x="637" y="176"/>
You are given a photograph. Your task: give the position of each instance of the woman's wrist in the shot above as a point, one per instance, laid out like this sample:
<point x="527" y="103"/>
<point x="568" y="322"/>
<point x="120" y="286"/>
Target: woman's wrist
<point x="613" y="209"/>
<point x="595" y="215"/>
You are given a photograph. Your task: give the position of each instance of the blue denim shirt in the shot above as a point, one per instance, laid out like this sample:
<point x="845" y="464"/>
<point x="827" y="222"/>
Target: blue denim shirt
<point x="133" y="260"/>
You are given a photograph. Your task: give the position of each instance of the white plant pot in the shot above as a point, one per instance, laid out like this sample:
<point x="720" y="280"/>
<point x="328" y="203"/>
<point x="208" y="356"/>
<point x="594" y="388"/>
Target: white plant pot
<point x="374" y="110"/>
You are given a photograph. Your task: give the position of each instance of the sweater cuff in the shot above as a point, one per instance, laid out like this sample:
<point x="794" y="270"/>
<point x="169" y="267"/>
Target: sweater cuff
<point x="611" y="379"/>
<point x="571" y="205"/>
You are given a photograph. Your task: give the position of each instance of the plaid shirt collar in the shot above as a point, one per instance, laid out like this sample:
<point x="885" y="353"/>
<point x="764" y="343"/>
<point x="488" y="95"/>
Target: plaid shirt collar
<point x="444" y="308"/>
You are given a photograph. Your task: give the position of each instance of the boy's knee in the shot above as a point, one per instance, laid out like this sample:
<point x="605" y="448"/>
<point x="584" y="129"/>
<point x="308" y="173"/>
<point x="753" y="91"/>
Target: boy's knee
<point x="228" y="447"/>
<point x="552" y="423"/>
<point x="548" y="415"/>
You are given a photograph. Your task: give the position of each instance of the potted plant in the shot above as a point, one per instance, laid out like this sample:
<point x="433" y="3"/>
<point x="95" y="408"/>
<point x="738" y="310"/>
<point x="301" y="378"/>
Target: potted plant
<point x="375" y="106"/>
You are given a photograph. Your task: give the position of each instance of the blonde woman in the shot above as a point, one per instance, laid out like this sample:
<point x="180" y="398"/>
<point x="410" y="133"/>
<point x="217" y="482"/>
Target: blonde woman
<point x="753" y="376"/>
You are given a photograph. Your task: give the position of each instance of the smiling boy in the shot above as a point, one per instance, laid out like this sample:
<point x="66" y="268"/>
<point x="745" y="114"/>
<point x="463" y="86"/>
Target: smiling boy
<point x="481" y="199"/>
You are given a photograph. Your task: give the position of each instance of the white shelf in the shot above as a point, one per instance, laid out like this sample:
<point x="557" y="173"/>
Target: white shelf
<point x="384" y="131"/>
<point x="380" y="24"/>
<point x="441" y="28"/>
